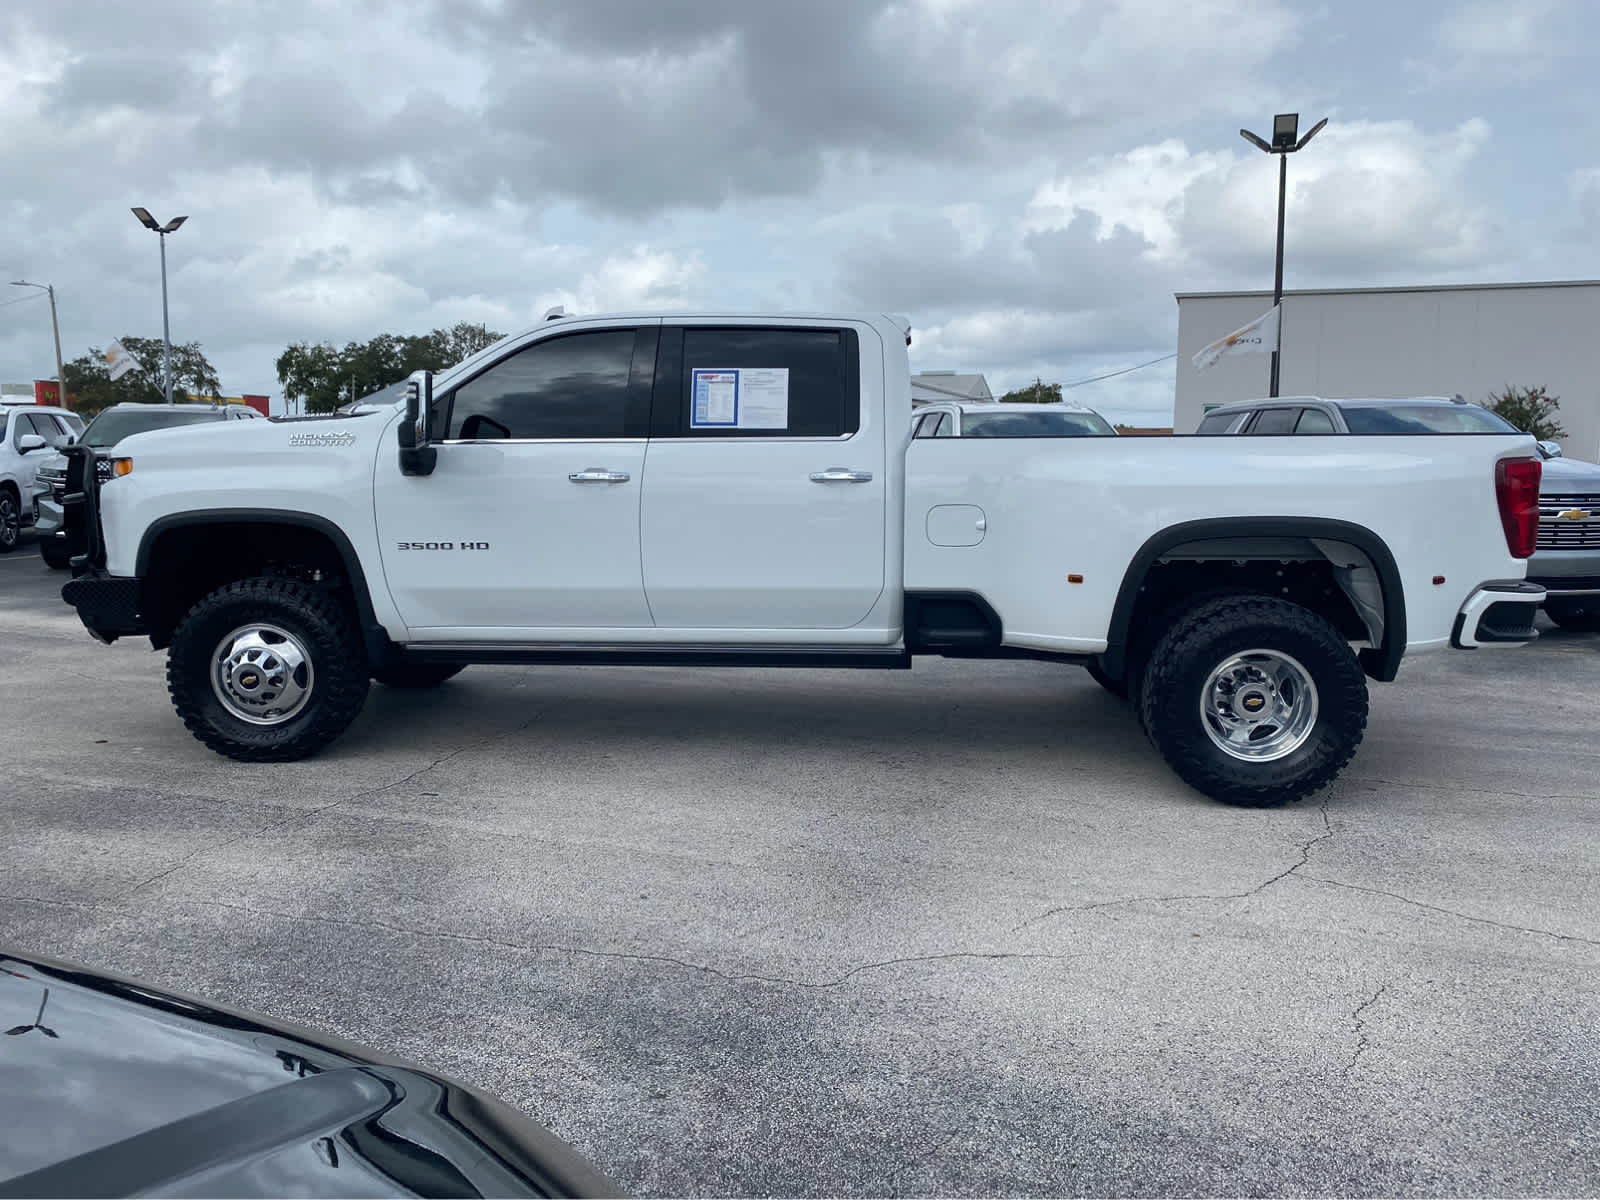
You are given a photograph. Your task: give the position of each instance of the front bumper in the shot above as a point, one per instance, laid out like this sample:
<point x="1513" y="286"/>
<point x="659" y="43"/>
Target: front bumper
<point x="49" y="519"/>
<point x="108" y="605"/>
<point x="1498" y="614"/>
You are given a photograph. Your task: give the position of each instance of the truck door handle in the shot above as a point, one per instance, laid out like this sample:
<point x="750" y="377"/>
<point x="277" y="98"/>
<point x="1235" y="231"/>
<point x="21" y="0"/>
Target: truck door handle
<point x="841" y="475"/>
<point x="598" y="475"/>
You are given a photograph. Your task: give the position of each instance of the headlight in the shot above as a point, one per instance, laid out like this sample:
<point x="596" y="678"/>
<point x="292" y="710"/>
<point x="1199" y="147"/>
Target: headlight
<point x="120" y="467"/>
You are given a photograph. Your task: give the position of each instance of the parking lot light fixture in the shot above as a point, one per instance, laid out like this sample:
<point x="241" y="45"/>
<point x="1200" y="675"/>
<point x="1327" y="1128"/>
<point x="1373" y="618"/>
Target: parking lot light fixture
<point x="161" y="230"/>
<point x="1286" y="140"/>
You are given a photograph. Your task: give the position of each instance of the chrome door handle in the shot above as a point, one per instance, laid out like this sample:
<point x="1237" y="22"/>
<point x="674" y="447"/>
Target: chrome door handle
<point x="841" y="475"/>
<point x="598" y="475"/>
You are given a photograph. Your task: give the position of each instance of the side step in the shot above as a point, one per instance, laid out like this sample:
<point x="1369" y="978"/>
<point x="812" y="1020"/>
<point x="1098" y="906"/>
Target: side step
<point x="889" y="658"/>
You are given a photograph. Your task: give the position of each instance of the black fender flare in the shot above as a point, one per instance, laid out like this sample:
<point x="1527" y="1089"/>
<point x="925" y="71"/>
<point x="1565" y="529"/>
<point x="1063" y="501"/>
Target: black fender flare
<point x="375" y="635"/>
<point x="1381" y="662"/>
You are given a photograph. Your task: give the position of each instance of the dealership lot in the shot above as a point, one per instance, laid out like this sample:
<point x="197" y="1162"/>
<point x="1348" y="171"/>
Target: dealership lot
<point x="956" y="930"/>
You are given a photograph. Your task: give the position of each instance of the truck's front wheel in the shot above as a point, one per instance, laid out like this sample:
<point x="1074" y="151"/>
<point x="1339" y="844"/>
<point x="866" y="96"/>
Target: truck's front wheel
<point x="267" y="670"/>
<point x="1254" y="701"/>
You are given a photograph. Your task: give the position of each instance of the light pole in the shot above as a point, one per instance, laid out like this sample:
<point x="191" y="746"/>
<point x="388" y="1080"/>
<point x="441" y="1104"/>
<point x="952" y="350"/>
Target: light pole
<point x="1285" y="128"/>
<point x="55" y="328"/>
<point x="171" y="226"/>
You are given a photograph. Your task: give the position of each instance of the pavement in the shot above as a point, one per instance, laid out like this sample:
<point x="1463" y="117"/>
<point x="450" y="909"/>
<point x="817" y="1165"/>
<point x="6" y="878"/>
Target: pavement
<point x="951" y="931"/>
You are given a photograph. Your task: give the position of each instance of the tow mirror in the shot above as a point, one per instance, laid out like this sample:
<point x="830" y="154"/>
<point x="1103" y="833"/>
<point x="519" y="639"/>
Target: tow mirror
<point x="417" y="457"/>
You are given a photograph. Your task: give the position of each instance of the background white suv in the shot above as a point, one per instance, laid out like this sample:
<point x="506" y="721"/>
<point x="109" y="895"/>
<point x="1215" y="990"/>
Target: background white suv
<point x="28" y="435"/>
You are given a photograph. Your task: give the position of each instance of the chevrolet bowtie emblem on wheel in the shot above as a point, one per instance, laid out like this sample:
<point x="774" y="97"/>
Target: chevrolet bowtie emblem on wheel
<point x="1575" y="514"/>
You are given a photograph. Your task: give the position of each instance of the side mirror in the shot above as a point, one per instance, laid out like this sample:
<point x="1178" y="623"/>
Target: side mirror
<point x="1550" y="449"/>
<point x="417" y="457"/>
<point x="30" y="442"/>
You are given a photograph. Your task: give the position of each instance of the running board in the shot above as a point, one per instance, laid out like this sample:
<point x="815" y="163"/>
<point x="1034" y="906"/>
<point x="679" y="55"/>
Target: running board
<point x="561" y="654"/>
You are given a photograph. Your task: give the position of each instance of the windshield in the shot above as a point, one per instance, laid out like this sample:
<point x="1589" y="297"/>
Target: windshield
<point x="1425" y="418"/>
<point x="1039" y="424"/>
<point x="111" y="426"/>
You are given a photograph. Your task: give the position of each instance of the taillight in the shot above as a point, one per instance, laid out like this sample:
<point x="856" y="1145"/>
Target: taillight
<point x="1516" y="486"/>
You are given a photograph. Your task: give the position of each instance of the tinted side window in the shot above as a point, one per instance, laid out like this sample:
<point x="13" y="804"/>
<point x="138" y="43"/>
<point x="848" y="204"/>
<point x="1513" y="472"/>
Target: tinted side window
<point x="768" y="383"/>
<point x="1314" y="420"/>
<point x="565" y="387"/>
<point x="1218" y="423"/>
<point x="924" y="426"/>
<point x="46" y="428"/>
<point x="946" y="426"/>
<point x="1275" y="420"/>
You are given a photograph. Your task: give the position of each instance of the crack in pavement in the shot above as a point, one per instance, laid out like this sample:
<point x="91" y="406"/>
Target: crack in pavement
<point x="308" y="815"/>
<point x="1453" y="789"/>
<point x="586" y="952"/>
<point x="1450" y="912"/>
<point x="1361" y="1031"/>
<point x="1121" y="902"/>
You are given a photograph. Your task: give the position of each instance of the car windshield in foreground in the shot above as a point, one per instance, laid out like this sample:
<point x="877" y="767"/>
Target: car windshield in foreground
<point x="109" y="428"/>
<point x="1039" y="424"/>
<point x="1424" y="418"/>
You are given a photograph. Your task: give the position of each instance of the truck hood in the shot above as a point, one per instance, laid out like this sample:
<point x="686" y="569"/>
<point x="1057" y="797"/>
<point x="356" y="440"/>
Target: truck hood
<point x="1566" y="475"/>
<point x="333" y="431"/>
<point x="122" y="1089"/>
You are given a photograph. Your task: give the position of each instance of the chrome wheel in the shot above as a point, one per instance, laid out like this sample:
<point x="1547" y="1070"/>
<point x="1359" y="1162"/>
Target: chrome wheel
<point x="1259" y="705"/>
<point x="261" y="674"/>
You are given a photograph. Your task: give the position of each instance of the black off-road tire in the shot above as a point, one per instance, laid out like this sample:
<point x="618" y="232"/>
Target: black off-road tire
<point x="321" y="623"/>
<point x="10" y="520"/>
<point x="1578" y="614"/>
<point x="57" y="556"/>
<point x="416" y="675"/>
<point x="1202" y="640"/>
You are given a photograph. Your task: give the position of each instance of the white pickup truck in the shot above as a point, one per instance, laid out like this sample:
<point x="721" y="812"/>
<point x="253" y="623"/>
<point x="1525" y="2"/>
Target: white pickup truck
<point x="744" y="490"/>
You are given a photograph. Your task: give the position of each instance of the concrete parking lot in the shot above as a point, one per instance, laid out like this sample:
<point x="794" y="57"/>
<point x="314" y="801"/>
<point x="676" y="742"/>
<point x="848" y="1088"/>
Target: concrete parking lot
<point x="956" y="930"/>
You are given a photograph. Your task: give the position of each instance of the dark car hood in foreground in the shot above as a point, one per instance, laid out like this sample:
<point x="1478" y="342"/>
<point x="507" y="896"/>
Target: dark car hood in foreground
<point x="108" y="1088"/>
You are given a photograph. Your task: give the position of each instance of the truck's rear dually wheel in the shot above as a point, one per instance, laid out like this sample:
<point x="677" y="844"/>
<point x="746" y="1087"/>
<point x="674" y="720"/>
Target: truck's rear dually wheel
<point x="1254" y="701"/>
<point x="267" y="669"/>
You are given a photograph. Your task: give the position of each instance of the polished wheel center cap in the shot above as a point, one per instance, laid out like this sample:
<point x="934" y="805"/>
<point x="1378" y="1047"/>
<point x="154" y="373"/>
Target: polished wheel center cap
<point x="263" y="674"/>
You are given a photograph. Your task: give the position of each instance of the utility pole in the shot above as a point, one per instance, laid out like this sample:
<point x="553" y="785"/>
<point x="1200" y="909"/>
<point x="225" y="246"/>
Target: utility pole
<point x="55" y="328"/>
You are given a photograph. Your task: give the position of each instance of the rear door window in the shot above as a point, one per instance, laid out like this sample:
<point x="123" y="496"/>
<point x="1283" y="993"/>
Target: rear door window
<point x="1218" y="423"/>
<point x="757" y="382"/>
<point x="1271" y="421"/>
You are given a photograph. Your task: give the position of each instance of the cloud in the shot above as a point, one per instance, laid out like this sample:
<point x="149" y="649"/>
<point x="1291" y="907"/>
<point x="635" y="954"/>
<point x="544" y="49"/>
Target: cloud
<point x="1029" y="180"/>
<point x="1367" y="201"/>
<point x="1516" y="42"/>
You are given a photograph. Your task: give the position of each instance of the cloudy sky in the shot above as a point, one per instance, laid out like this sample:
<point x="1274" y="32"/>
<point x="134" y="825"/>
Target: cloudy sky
<point x="1029" y="181"/>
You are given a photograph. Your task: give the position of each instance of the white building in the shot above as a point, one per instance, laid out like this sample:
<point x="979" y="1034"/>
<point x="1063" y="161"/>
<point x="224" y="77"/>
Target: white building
<point x="1424" y="341"/>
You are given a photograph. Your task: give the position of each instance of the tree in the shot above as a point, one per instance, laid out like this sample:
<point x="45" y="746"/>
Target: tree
<point x="1037" y="392"/>
<point x="1531" y="410"/>
<point x="324" y="377"/>
<point x="88" y="381"/>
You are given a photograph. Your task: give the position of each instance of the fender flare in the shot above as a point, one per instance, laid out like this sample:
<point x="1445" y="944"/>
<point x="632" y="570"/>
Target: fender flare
<point x="376" y="637"/>
<point x="1381" y="662"/>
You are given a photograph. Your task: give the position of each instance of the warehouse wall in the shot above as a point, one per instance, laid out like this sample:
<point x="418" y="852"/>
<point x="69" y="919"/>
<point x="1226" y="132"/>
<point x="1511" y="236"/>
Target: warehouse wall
<point x="1428" y="341"/>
